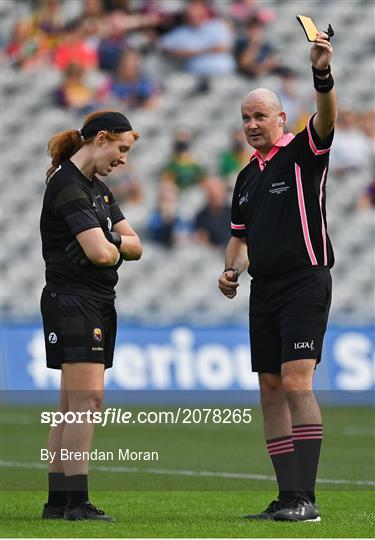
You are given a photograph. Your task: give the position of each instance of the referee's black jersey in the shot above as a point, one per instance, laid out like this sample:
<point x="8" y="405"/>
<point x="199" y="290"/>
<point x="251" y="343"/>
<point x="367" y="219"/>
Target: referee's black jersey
<point x="73" y="204"/>
<point x="279" y="206"/>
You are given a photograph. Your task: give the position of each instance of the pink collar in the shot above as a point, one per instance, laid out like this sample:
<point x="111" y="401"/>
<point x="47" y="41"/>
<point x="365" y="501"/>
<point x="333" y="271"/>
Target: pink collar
<point x="283" y="141"/>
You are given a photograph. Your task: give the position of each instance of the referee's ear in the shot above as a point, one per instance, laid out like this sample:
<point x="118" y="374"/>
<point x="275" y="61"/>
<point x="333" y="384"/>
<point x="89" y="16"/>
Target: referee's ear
<point x="281" y="119"/>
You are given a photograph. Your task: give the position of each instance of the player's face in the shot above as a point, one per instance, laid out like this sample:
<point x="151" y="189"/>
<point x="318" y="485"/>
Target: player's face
<point x="261" y="123"/>
<point x="111" y="153"/>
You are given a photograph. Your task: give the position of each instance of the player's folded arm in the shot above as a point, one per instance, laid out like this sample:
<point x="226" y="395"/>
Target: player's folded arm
<point x="74" y="205"/>
<point x="131" y="247"/>
<point x="97" y="248"/>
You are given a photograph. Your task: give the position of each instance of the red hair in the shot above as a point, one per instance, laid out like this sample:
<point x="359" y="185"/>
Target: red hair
<point x="66" y="143"/>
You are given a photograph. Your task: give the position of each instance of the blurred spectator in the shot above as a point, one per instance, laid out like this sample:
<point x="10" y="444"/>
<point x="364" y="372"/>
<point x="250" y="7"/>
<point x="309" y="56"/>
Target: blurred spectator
<point x="212" y="223"/>
<point x="240" y="10"/>
<point x="117" y="5"/>
<point x="367" y="199"/>
<point x="296" y="114"/>
<point x="74" y="93"/>
<point x="165" y="226"/>
<point x="49" y="16"/>
<point x="255" y="56"/>
<point x="168" y="13"/>
<point x="29" y="48"/>
<point x="125" y="185"/>
<point x="231" y="161"/>
<point x="129" y="85"/>
<point x="75" y="49"/>
<point x="183" y="170"/>
<point x="110" y="49"/>
<point x="351" y="149"/>
<point x="93" y="9"/>
<point x="202" y="43"/>
<point x="123" y="30"/>
<point x="366" y="123"/>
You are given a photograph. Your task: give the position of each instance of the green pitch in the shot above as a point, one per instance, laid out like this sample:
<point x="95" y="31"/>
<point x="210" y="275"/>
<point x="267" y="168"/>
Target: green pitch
<point x="190" y="514"/>
<point x="206" y="478"/>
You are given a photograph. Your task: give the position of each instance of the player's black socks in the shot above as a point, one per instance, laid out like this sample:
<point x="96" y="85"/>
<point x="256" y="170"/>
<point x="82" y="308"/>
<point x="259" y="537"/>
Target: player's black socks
<point x="281" y="452"/>
<point x="56" y="489"/>
<point x="307" y="440"/>
<point x="77" y="489"/>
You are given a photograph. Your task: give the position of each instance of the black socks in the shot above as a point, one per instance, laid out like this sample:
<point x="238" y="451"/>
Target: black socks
<point x="295" y="459"/>
<point x="307" y="440"/>
<point x="281" y="451"/>
<point x="56" y="490"/>
<point x="71" y="490"/>
<point x="77" y="489"/>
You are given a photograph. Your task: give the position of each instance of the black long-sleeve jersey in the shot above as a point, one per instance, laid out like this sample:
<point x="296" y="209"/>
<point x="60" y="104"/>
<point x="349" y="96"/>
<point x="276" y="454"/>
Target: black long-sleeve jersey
<point x="279" y="206"/>
<point x="72" y="204"/>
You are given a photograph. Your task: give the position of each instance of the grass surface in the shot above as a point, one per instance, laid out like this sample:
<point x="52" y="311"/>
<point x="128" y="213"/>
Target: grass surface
<point x="205" y="479"/>
<point x="190" y="515"/>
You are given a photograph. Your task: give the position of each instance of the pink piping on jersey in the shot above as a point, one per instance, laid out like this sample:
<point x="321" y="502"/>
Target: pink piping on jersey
<point x="283" y="141"/>
<point x="324" y="234"/>
<point x="302" y="212"/>
<point x="238" y="227"/>
<point x="313" y="147"/>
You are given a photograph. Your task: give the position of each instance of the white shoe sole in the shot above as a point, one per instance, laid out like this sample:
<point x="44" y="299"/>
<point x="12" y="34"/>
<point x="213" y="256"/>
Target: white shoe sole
<point x="315" y="520"/>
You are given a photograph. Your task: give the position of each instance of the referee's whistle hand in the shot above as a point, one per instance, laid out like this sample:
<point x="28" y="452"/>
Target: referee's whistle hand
<point x="228" y="284"/>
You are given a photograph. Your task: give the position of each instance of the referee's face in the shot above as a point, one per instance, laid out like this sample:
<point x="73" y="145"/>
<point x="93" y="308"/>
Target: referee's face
<point x="262" y="124"/>
<point x="112" y="153"/>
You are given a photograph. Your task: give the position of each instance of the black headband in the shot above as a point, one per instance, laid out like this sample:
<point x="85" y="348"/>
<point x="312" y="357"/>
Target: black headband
<point x="111" y="121"/>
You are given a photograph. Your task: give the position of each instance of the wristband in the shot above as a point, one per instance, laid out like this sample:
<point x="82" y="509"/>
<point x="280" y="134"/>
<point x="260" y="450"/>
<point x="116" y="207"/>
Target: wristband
<point x="321" y="72"/>
<point x="323" y="85"/>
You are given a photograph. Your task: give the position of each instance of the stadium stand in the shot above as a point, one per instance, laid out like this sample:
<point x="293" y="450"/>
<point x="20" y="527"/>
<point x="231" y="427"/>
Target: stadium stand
<point x="180" y="284"/>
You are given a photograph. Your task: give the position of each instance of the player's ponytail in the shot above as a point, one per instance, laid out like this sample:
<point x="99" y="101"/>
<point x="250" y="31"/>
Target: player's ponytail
<point x="62" y="146"/>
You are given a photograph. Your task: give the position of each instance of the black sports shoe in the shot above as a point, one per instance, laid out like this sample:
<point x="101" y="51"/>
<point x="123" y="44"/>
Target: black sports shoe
<point x="298" y="510"/>
<point x="269" y="512"/>
<point x="53" y="512"/>
<point x="84" y="511"/>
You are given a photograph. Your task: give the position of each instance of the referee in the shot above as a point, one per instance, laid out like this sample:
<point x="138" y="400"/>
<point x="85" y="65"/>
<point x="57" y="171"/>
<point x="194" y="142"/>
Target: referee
<point x="85" y="238"/>
<point x="279" y="233"/>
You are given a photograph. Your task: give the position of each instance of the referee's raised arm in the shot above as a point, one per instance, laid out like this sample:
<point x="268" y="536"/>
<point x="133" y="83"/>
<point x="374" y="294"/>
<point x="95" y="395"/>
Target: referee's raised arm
<point x="320" y="56"/>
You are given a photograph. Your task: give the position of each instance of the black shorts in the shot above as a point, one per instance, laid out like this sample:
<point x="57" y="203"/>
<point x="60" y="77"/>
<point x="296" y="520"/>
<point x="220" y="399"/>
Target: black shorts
<point x="288" y="318"/>
<point x="77" y="329"/>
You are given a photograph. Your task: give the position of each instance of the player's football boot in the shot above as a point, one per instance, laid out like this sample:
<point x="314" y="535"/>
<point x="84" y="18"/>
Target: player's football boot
<point x="85" y="511"/>
<point x="269" y="512"/>
<point x="300" y="509"/>
<point x="53" y="512"/>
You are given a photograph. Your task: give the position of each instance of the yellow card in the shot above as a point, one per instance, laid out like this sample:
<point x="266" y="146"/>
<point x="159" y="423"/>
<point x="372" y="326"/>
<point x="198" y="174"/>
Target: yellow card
<point x="309" y="27"/>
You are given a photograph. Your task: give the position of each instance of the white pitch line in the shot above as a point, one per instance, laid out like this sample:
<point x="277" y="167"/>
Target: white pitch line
<point x="355" y="431"/>
<point x="17" y="419"/>
<point x="179" y="472"/>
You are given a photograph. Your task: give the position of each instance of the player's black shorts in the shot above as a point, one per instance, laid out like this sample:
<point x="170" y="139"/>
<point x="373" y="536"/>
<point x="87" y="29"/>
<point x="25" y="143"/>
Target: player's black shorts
<point x="288" y="318"/>
<point x="78" y="329"/>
